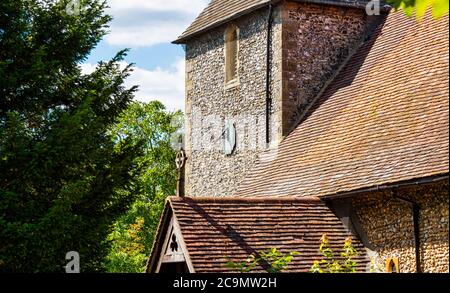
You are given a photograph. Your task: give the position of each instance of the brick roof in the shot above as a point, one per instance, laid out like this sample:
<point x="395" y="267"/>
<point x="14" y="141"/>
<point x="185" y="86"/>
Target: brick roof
<point x="221" y="11"/>
<point x="384" y="119"/>
<point x="214" y="229"/>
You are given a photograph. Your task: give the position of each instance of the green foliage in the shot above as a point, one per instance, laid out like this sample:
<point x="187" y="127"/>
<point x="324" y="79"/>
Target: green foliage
<point x="150" y="126"/>
<point x="420" y="7"/>
<point x="277" y="262"/>
<point x="332" y="264"/>
<point x="127" y="248"/>
<point x="375" y="266"/>
<point x="63" y="178"/>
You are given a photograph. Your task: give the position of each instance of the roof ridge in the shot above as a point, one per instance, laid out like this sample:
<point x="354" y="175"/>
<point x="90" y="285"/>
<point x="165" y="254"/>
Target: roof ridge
<point x="214" y="234"/>
<point x="219" y="12"/>
<point x="268" y="199"/>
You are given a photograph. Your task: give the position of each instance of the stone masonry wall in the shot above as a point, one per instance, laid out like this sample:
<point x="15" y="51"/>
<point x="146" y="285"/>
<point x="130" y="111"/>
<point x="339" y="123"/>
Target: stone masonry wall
<point x="209" y="102"/>
<point x="316" y="41"/>
<point x="388" y="224"/>
<point x="308" y="44"/>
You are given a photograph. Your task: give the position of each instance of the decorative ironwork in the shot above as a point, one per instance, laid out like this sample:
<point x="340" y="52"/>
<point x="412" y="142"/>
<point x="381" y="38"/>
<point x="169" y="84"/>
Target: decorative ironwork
<point x="180" y="159"/>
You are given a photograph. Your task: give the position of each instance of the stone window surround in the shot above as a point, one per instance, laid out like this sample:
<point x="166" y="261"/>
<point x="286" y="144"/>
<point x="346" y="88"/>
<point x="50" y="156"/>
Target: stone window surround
<point x="229" y="84"/>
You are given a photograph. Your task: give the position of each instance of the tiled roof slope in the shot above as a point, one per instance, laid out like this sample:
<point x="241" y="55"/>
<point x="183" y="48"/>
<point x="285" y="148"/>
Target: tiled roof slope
<point x="384" y="119"/>
<point x="219" y="11"/>
<point x="214" y="229"/>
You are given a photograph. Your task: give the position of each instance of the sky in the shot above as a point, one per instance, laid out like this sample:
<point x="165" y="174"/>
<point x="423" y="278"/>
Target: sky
<point x="147" y="28"/>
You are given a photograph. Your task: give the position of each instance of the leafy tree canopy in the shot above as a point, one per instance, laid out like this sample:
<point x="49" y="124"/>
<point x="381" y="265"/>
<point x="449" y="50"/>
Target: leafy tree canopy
<point x="420" y="7"/>
<point x="133" y="233"/>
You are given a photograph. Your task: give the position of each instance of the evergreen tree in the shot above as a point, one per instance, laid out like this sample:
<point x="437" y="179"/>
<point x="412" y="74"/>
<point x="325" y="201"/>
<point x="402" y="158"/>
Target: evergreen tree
<point x="64" y="180"/>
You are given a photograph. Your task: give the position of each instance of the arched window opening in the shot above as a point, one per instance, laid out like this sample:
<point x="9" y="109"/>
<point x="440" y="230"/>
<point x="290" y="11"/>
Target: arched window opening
<point x="392" y="265"/>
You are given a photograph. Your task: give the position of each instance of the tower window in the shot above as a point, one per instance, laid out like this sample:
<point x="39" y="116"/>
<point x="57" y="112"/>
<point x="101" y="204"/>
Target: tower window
<point x="392" y="265"/>
<point x="231" y="53"/>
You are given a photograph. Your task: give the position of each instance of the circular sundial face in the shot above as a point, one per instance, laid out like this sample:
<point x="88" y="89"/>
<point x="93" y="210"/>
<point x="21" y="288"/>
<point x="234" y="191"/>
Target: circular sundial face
<point x="229" y="138"/>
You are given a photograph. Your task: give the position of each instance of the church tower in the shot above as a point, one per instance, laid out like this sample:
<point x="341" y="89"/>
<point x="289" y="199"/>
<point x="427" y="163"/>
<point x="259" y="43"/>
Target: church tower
<point x="253" y="68"/>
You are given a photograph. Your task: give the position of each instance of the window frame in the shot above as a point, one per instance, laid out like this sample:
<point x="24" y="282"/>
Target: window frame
<point x="392" y="265"/>
<point x="233" y="82"/>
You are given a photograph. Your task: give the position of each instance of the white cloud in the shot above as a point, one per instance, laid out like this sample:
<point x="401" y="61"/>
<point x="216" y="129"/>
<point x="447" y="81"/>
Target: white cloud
<point x="87" y="68"/>
<point x="144" y="23"/>
<point x="165" y="85"/>
<point x="143" y="35"/>
<point x="186" y="6"/>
